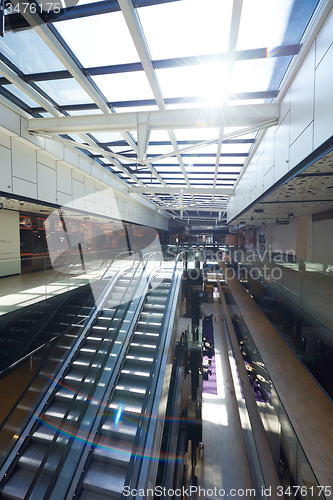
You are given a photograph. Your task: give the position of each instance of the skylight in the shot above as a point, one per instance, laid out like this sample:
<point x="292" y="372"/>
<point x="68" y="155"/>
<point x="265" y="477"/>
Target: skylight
<point x="145" y="64"/>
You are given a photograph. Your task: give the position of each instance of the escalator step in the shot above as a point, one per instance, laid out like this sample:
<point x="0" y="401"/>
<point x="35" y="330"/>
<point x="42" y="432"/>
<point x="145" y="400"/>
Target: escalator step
<point x="142" y="361"/>
<point x="131" y="388"/>
<point x="17" y="485"/>
<point x="57" y="410"/>
<point x="148" y="326"/>
<point x="45" y="435"/>
<point x="86" y="495"/>
<point x="34" y="455"/>
<point x="67" y="395"/>
<point x="142" y="347"/>
<point x="125" y="430"/>
<point x="151" y="316"/>
<point x="101" y="478"/>
<point x="84" y="360"/>
<point x="152" y="307"/>
<point x="115" y="452"/>
<point x="149" y="337"/>
<point x="151" y="299"/>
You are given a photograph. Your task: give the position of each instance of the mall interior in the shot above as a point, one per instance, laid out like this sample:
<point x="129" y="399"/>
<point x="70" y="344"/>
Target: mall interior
<point x="166" y="249"/>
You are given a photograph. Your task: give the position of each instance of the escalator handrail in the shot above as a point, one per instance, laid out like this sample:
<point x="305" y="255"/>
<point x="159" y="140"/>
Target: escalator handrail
<point x="61" y="464"/>
<point x="97" y="419"/>
<point x="135" y="456"/>
<point x="16" y="363"/>
<point x="9" y="368"/>
<point x="26" y="429"/>
<point x="75" y="484"/>
<point x="117" y="256"/>
<point x="98" y="307"/>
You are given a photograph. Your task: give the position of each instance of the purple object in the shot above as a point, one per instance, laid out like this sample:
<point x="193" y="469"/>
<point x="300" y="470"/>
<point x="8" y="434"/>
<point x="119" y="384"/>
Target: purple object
<point x="209" y="386"/>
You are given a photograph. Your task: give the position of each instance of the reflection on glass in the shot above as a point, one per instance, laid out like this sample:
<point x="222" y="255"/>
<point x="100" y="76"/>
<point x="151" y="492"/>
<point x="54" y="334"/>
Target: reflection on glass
<point x="21" y="95"/>
<point x="124" y="86"/>
<point x="195" y="30"/>
<point x="252" y="75"/>
<point x="64" y="92"/>
<point x="201" y="80"/>
<point x="107" y="34"/>
<point x="263" y="23"/>
<point x="29" y="53"/>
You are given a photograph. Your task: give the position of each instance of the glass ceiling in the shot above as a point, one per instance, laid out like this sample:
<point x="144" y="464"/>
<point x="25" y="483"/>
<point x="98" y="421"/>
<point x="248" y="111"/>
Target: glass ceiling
<point x="167" y="55"/>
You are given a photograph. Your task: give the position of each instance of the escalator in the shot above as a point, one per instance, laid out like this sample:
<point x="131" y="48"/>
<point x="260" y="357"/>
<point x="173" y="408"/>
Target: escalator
<point x="82" y="440"/>
<point x="110" y="458"/>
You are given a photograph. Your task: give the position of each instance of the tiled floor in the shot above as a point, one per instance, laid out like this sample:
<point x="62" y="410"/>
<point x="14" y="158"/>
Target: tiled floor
<point x="225" y="463"/>
<point x="23" y="290"/>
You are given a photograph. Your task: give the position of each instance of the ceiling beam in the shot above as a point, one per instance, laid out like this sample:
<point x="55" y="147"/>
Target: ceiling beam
<point x="134" y="25"/>
<point x="233" y="37"/>
<point x="27" y="89"/>
<point x="227" y="116"/>
<point x="268" y="94"/>
<point x="184" y="190"/>
<point x="55" y="43"/>
<point x="201" y="209"/>
<point x="58" y="49"/>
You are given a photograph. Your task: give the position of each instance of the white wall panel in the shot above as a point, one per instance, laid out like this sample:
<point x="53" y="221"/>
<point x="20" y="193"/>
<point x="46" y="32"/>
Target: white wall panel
<point x="302" y="147"/>
<point x="281" y="141"/>
<point x="89" y="186"/>
<point x="64" y="178"/>
<point x="268" y="178"/>
<point x="120" y="203"/>
<point x="76" y="174"/>
<point x="24" y="161"/>
<point x="285" y="105"/>
<point x="6" y="170"/>
<point x="305" y="120"/>
<point x="252" y="194"/>
<point x="269" y="149"/>
<point x="89" y="207"/>
<point x="105" y="178"/>
<point x="63" y="198"/>
<point x="302" y="92"/>
<point x="324" y="39"/>
<point x="10" y="262"/>
<point x="24" y="188"/>
<point x="125" y="210"/>
<point x="85" y="165"/>
<point x="10" y="120"/>
<point x="55" y="148"/>
<point x="71" y="157"/>
<point x="96" y="172"/>
<point x="323" y="126"/>
<point x="46" y="159"/>
<point x="78" y="194"/>
<point x="55" y="174"/>
<point x="107" y="200"/>
<point x="130" y="210"/>
<point x="4" y="140"/>
<point x="46" y="183"/>
<point x="100" y="196"/>
<point x="260" y="174"/>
